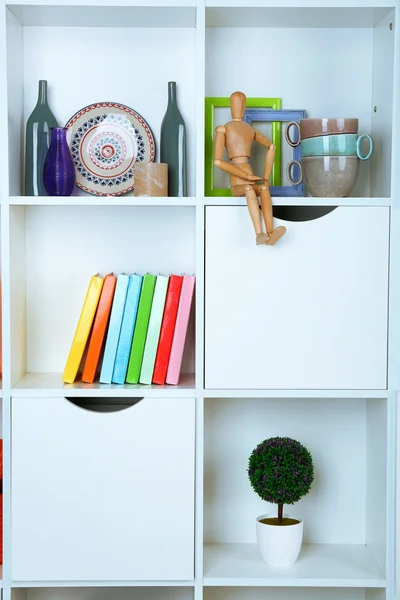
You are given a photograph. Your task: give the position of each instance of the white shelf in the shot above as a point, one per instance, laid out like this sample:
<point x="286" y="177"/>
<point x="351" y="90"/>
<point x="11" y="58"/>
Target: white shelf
<point x="99" y="201"/>
<point x="297" y="4"/>
<point x="189" y="201"/>
<point x="234" y="393"/>
<point x="300" y="201"/>
<point x="51" y="384"/>
<point x="302" y="14"/>
<point x="49" y="247"/>
<point x="319" y="565"/>
<point x="99" y="584"/>
<point x="105" y="14"/>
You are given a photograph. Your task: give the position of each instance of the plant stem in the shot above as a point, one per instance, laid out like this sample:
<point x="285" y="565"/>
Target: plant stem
<point x="280" y="513"/>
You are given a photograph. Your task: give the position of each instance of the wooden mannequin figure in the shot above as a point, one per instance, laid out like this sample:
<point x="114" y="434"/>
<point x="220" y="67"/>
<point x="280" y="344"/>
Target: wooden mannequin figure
<point x="238" y="136"/>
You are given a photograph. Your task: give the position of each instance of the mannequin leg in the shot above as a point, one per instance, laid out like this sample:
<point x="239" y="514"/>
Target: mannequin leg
<point x="254" y="210"/>
<point x="266" y="207"/>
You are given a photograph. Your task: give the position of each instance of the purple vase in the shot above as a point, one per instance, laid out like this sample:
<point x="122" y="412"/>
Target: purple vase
<point x="59" y="170"/>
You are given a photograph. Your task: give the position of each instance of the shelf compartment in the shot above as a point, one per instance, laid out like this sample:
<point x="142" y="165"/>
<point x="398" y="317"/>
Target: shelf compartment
<point x="317" y="305"/>
<point x="319" y="565"/>
<point x="351" y="443"/>
<point x="363" y="61"/>
<point x="54" y="252"/>
<point x="97" y="484"/>
<point x="36" y="48"/>
<point x="50" y="384"/>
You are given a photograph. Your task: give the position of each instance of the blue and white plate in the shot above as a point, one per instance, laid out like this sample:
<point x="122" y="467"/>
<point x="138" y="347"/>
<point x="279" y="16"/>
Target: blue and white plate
<point x="106" y="141"/>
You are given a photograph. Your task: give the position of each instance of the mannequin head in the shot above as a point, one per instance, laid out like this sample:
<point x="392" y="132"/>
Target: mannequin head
<point x="238" y="105"/>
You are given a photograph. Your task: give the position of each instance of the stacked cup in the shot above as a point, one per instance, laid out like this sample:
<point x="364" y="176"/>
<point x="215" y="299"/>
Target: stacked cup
<point x="331" y="154"/>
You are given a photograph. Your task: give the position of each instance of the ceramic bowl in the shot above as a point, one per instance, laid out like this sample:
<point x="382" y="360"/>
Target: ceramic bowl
<point x="315" y="127"/>
<point x="345" y="144"/>
<point x="330" y="176"/>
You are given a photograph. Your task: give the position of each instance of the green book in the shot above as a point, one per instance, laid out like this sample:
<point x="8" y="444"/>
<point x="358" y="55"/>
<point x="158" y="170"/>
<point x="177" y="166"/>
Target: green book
<point x="140" y="333"/>
<point x="153" y="332"/>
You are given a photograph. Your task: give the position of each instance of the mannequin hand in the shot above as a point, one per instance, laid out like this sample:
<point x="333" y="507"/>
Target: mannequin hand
<point x="254" y="178"/>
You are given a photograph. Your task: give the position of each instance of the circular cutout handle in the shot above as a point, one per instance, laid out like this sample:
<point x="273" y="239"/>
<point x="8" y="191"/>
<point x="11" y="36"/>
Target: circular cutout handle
<point x="290" y="166"/>
<point x="287" y="134"/>
<point x="103" y="405"/>
<point x="362" y="137"/>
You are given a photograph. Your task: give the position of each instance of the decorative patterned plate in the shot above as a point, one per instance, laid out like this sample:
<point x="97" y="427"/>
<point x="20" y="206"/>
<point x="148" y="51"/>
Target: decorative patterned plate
<point x="107" y="139"/>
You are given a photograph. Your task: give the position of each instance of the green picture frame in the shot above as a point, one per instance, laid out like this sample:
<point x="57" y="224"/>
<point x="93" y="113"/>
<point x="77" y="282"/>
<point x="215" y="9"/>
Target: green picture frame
<point x="210" y="105"/>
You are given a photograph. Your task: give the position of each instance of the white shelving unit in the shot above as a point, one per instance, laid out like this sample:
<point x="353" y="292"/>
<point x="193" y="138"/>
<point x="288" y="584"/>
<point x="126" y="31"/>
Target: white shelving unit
<point x="88" y="498"/>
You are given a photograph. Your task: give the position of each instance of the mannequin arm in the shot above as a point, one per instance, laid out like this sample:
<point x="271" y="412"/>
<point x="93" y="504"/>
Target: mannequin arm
<point x="262" y="139"/>
<point x="269" y="162"/>
<point x="235" y="170"/>
<point x="219" y="145"/>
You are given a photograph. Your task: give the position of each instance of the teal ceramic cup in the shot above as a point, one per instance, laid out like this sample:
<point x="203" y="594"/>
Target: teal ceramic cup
<point x="342" y="144"/>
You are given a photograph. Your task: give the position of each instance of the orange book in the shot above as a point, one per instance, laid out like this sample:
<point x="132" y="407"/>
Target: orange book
<point x="98" y="336"/>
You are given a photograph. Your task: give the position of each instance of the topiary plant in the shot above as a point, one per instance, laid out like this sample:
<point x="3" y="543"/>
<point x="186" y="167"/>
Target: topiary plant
<point x="281" y="471"/>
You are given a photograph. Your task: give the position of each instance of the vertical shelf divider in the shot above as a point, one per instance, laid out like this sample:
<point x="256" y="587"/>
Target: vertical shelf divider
<point x="6" y="310"/>
<point x="200" y="265"/>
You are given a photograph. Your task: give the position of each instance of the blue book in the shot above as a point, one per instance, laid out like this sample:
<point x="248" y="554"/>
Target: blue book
<point x="127" y="329"/>
<point x="114" y="328"/>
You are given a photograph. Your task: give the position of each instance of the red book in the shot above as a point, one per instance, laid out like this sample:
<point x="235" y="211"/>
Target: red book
<point x="167" y="329"/>
<point x="99" y="329"/>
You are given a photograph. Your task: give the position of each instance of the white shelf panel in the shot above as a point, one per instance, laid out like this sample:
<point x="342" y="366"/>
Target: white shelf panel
<point x="319" y="565"/>
<point x="298" y="4"/>
<point x="90" y="13"/>
<point x="97" y="584"/>
<point x="101" y="3"/>
<point x="227" y="393"/>
<point x="51" y="384"/>
<point x="300" y="201"/>
<point x="302" y="14"/>
<point x="99" y="201"/>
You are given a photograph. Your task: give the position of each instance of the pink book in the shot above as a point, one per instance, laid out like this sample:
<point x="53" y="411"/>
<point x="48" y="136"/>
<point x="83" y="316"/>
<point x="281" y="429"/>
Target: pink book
<point x="181" y="325"/>
<point x="182" y="319"/>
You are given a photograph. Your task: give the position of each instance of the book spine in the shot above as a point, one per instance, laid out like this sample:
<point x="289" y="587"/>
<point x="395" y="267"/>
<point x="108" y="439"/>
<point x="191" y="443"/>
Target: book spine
<point x="140" y="333"/>
<point x="153" y="332"/>
<point x="83" y="329"/>
<point x="182" y="320"/>
<point x="127" y="328"/>
<point x="167" y="329"/>
<point x="114" y="329"/>
<point x="100" y="323"/>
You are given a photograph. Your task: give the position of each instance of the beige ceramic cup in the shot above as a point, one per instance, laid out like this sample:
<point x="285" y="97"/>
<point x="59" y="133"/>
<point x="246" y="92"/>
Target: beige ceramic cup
<point x="308" y="128"/>
<point x="327" y="176"/>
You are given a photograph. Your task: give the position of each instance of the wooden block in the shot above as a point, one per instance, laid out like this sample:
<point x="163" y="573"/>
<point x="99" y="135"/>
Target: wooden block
<point x="151" y="179"/>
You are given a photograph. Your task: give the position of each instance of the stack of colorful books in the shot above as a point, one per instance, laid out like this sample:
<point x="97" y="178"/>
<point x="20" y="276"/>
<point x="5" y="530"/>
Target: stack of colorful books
<point x="135" y="326"/>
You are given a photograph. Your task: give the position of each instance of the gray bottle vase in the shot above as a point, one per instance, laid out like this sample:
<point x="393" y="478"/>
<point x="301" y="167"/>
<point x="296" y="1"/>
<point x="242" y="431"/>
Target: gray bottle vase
<point x="173" y="145"/>
<point x="37" y="143"/>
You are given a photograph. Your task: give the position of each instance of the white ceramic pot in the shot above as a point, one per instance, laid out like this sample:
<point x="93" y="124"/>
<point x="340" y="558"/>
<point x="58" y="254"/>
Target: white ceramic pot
<point x="279" y="545"/>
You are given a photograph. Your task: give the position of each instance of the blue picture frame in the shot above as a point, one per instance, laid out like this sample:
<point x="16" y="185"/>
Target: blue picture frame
<point x="281" y="115"/>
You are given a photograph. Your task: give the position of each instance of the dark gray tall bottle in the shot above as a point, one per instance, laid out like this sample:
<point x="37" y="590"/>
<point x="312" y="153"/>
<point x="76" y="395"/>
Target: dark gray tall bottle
<point x="173" y="145"/>
<point x="37" y="143"/>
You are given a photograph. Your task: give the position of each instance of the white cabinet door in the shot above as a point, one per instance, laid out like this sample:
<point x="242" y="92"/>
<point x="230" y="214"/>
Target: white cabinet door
<point x="102" y="496"/>
<point x="308" y="313"/>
